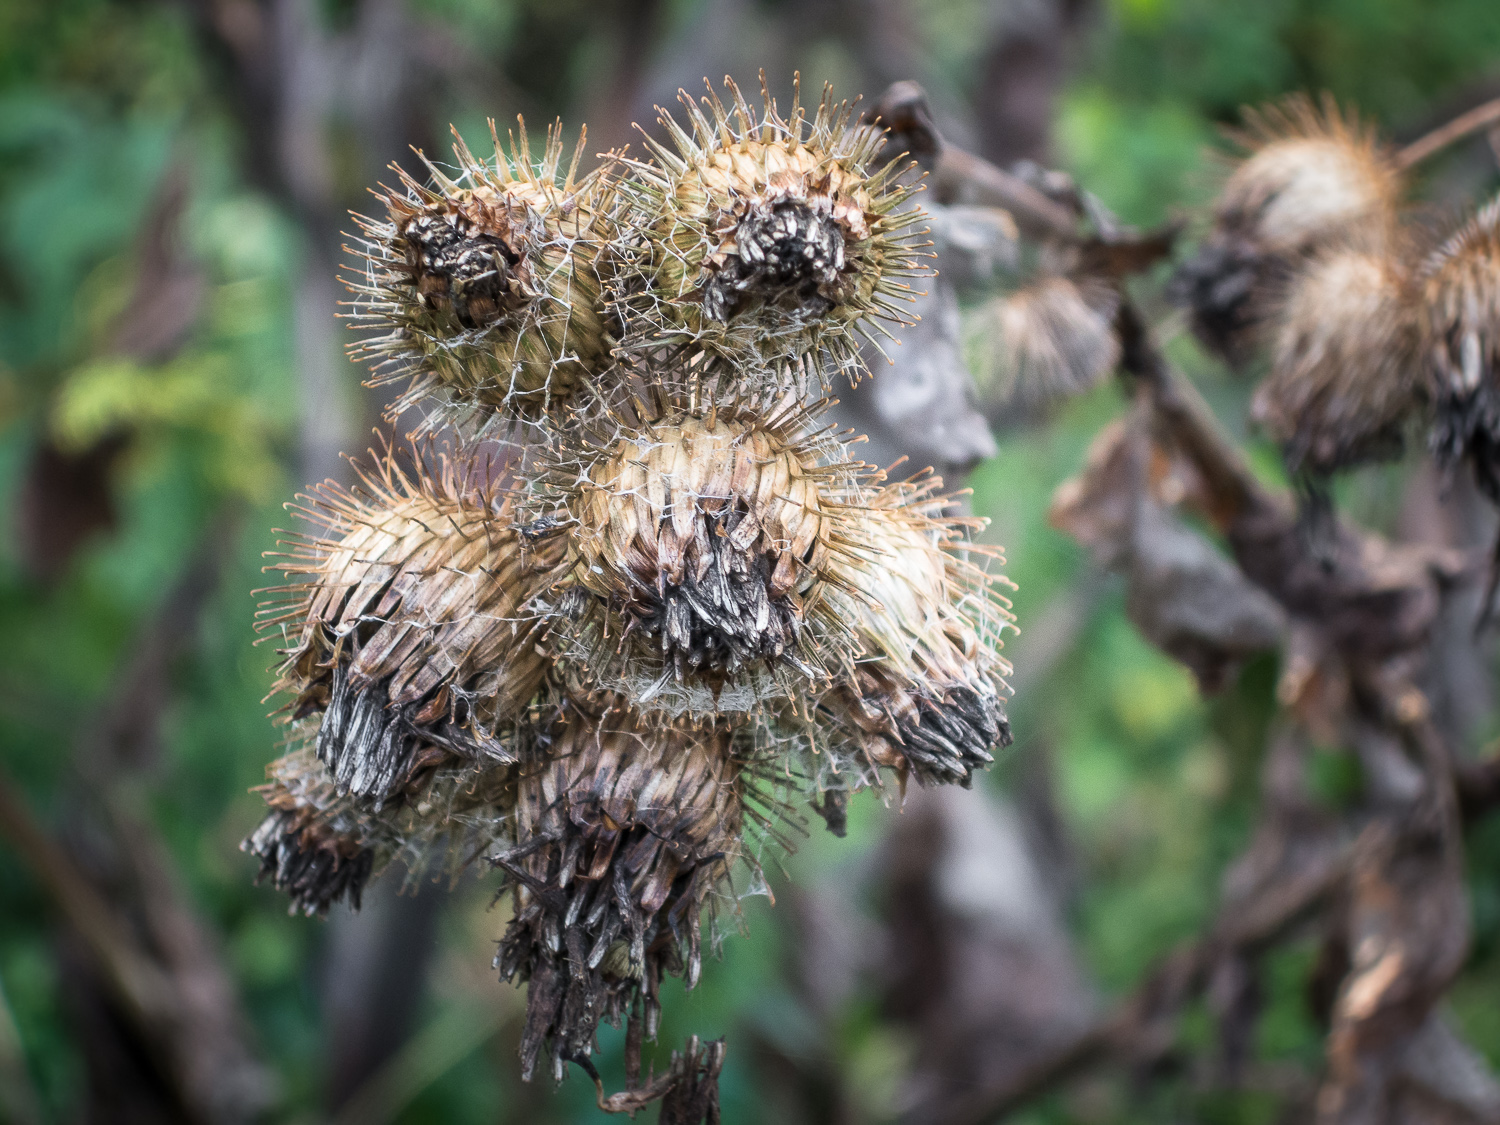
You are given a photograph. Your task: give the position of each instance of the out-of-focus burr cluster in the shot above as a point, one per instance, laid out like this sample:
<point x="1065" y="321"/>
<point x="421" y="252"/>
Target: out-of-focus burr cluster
<point x="610" y="669"/>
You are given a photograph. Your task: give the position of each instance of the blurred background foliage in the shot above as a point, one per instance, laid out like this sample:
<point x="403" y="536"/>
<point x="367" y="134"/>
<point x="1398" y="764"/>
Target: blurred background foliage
<point x="130" y="195"/>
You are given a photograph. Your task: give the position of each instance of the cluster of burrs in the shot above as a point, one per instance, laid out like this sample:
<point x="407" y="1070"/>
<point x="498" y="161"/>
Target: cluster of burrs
<point x="646" y="601"/>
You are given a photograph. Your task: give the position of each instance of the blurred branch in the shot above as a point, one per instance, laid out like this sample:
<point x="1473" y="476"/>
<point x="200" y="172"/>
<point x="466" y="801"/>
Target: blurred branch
<point x="1476" y="120"/>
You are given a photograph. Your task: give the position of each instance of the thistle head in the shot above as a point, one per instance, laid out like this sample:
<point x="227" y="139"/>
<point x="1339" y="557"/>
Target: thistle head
<point x="406" y="628"/>
<point x="1045" y="342"/>
<point x="760" y="237"/>
<point x="700" y="540"/>
<point x="481" y="286"/>
<point x="1343" y="352"/>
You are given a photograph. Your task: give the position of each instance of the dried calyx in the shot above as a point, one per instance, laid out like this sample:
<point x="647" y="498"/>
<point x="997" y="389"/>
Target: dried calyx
<point x="700" y="540"/>
<point x="407" y="626"/>
<point x="759" y="237"/>
<point x="321" y="846"/>
<point x="926" y="693"/>
<point x="627" y="829"/>
<point x="1313" y="175"/>
<point x="483" y="287"/>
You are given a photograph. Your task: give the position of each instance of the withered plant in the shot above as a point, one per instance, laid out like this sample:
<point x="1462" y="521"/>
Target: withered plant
<point x="607" y="666"/>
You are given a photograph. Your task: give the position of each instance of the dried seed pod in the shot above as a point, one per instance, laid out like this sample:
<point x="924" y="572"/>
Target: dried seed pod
<point x="700" y="541"/>
<point x="1461" y="345"/>
<point x="1047" y="341"/>
<point x="1343" y="379"/>
<point x="408" y="625"/>
<point x="925" y="695"/>
<point x="1313" y="175"/>
<point x="322" y="846"/>
<point x="625" y="828"/>
<point x="483" y="287"/>
<point x="759" y="238"/>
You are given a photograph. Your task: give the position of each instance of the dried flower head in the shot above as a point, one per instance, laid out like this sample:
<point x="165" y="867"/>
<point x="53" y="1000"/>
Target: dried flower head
<point x="409" y="632"/>
<point x="626" y="829"/>
<point x="1313" y="175"/>
<point x="483" y="286"/>
<point x="1047" y="341"/>
<point x="322" y="846"/>
<point x="1461" y="344"/>
<point x="926" y="693"/>
<point x="761" y="238"/>
<point x="1343" y="376"/>
<point x="700" y="542"/>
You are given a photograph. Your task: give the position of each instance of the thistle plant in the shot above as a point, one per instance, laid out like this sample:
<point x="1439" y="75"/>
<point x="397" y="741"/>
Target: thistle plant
<point x="610" y="671"/>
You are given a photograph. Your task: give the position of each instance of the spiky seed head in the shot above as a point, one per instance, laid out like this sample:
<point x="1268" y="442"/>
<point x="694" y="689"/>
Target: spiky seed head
<point x="1343" y="379"/>
<point x="700" y="544"/>
<point x="626" y="828"/>
<point x="406" y="624"/>
<point x="926" y="694"/>
<point x="759" y="237"/>
<point x="481" y="287"/>
<point x="1313" y="175"/>
<point x="322" y="845"/>
<point x="1045" y="342"/>
<point x="1461" y="346"/>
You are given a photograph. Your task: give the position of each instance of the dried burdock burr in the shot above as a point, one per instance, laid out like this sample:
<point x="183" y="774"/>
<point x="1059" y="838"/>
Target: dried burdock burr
<point x="926" y="694"/>
<point x="322" y="846"/>
<point x="700" y="540"/>
<point x="1045" y="342"/>
<point x="761" y="238"/>
<point x="1312" y="175"/>
<point x="1344" y="375"/>
<point x="625" y="828"/>
<point x="406" y="624"/>
<point x="482" y="287"/>
<point x="1461" y="347"/>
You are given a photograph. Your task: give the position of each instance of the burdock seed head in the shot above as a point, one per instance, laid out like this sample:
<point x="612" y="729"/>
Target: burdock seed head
<point x="1312" y="175"/>
<point x="1045" y="342"/>
<point x="1343" y="379"/>
<point x="926" y="693"/>
<point x="1461" y="346"/>
<point x="761" y="238"/>
<point x="482" y="287"/>
<point x="322" y="846"/>
<point x="625" y="830"/>
<point x="407" y="628"/>
<point x="700" y="541"/>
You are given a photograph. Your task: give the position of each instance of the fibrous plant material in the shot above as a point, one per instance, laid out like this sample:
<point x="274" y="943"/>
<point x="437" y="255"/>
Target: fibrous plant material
<point x="1313" y="175"/>
<point x="482" y="288"/>
<point x="761" y="238"/>
<point x="321" y="846"/>
<point x="627" y="828"/>
<point x="926" y="693"/>
<point x="1047" y="341"/>
<point x="1461" y="346"/>
<point x="408" y="628"/>
<point x="1343" y="380"/>
<point x="701" y="539"/>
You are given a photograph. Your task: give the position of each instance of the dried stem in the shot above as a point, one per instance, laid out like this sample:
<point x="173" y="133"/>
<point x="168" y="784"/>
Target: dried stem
<point x="1466" y="124"/>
